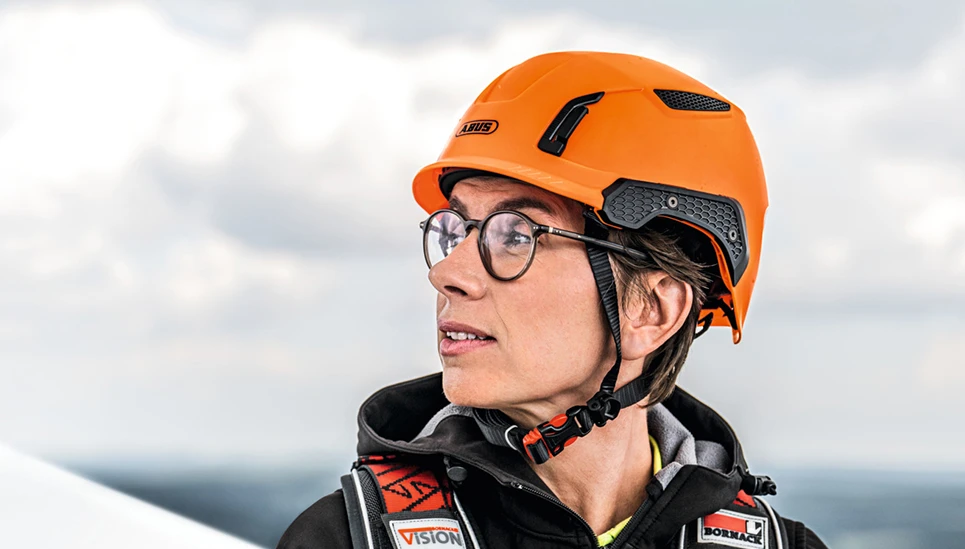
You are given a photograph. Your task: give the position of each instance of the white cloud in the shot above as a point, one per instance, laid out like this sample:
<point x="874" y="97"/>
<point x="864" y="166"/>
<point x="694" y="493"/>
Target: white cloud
<point x="215" y="269"/>
<point x="941" y="371"/>
<point x="855" y="212"/>
<point x="86" y="89"/>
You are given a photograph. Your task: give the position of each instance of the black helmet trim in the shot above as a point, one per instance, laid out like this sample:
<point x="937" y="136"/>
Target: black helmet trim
<point x="631" y="204"/>
<point x="451" y="176"/>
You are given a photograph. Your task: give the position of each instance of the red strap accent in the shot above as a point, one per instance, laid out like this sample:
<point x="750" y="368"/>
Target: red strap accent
<point x="365" y="460"/>
<point x="745" y="500"/>
<point x="726" y="522"/>
<point x="532" y="438"/>
<point x="409" y="487"/>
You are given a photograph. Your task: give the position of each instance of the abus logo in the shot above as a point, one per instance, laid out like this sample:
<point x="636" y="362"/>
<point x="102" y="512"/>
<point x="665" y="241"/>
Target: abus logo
<point x="733" y="530"/>
<point x="432" y="535"/>
<point x="478" y="126"/>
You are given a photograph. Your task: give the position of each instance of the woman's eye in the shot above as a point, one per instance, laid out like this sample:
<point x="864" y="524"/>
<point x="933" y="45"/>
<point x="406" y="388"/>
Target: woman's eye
<point x="517" y="239"/>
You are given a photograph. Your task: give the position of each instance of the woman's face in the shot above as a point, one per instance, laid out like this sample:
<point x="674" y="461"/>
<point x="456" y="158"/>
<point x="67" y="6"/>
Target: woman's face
<point x="548" y="347"/>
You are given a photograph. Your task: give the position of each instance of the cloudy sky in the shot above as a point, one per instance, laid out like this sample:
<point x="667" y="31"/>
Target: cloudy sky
<point x="209" y="251"/>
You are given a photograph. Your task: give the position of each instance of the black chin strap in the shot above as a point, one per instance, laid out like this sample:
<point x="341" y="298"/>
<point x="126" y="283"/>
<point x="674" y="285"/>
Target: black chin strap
<point x="549" y="438"/>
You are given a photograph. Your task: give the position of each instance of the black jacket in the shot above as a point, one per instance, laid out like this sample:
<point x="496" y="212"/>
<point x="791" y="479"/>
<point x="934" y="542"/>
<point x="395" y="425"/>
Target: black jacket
<point x="510" y="506"/>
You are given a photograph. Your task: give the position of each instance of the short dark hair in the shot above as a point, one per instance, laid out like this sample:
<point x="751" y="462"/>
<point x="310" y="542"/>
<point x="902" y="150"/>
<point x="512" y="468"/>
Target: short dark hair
<point x="682" y="253"/>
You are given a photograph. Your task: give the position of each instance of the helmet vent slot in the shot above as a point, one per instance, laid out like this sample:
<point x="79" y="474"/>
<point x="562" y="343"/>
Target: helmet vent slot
<point x="561" y="128"/>
<point x="688" y="101"/>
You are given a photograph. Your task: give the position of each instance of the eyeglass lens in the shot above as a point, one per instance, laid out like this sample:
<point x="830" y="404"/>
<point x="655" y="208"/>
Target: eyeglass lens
<point x="506" y="241"/>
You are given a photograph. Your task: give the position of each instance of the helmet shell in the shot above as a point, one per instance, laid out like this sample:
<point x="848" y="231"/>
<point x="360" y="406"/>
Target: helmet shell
<point x="654" y="143"/>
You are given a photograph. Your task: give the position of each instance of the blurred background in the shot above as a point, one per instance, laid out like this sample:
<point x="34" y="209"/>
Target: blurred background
<point x="209" y="254"/>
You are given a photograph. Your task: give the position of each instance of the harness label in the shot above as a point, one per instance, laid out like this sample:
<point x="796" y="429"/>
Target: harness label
<point x="430" y="533"/>
<point x="733" y="530"/>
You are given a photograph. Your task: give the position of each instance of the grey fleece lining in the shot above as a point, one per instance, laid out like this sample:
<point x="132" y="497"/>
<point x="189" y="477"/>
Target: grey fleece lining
<point x="677" y="445"/>
<point x="446" y="411"/>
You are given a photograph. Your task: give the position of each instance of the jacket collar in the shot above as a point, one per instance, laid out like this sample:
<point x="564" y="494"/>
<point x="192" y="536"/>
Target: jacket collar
<point x="703" y="461"/>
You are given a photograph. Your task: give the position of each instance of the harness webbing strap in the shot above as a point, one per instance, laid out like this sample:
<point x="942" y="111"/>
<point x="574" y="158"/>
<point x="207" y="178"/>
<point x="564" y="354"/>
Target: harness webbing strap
<point x="391" y="498"/>
<point x="408" y="487"/>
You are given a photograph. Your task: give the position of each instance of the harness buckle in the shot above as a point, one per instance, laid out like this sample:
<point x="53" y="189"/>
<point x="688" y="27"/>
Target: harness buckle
<point x="550" y="437"/>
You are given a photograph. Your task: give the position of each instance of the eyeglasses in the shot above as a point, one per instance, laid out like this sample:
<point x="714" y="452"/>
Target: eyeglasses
<point x="507" y="240"/>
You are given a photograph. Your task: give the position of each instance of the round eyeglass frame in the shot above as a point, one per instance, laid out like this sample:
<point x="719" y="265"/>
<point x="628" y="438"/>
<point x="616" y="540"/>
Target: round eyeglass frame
<point x="537" y="230"/>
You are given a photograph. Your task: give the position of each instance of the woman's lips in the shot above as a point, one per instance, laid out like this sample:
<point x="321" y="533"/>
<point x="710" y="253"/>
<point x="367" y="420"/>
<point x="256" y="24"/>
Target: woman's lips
<point x="453" y="347"/>
<point x="446" y="326"/>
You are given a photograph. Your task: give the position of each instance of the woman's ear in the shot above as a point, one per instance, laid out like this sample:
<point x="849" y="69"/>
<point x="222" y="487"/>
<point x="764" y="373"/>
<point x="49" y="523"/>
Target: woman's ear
<point x="647" y="324"/>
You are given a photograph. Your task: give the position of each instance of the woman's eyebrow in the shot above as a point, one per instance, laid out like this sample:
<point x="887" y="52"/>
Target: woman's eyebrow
<point x="525" y="202"/>
<point x="456" y="205"/>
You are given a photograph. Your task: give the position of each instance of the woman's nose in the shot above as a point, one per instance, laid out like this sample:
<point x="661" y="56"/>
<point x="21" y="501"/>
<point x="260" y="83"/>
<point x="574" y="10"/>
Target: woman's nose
<point x="461" y="273"/>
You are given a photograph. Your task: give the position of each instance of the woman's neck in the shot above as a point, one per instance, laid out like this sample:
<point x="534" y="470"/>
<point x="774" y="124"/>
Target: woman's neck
<point x="603" y="475"/>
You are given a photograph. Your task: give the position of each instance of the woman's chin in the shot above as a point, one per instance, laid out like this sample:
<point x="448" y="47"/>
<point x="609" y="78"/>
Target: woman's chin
<point x="465" y="389"/>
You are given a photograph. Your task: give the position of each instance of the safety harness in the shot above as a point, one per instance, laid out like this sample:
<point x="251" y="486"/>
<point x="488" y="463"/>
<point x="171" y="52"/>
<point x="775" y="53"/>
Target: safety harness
<point x="403" y="502"/>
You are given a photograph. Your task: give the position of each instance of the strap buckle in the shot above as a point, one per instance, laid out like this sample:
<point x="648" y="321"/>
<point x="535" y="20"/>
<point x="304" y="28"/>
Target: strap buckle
<point x="550" y="437"/>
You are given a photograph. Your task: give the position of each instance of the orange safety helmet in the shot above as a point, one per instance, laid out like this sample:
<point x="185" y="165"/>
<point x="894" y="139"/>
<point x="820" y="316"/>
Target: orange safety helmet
<point x="629" y="137"/>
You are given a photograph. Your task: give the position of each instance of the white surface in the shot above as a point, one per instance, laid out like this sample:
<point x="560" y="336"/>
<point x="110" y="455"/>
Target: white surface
<point x="43" y="507"/>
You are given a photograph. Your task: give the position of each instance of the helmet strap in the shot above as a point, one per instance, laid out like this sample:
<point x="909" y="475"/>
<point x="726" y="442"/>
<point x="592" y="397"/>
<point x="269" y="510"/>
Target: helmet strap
<point x="603" y="274"/>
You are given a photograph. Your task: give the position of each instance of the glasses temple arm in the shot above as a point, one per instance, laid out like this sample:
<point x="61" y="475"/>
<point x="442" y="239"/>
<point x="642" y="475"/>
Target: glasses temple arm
<point x="636" y="254"/>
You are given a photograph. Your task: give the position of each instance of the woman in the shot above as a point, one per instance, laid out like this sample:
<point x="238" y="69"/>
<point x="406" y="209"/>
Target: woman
<point x="592" y="214"/>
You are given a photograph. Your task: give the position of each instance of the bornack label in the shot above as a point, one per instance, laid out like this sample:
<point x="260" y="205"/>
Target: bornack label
<point x="733" y="529"/>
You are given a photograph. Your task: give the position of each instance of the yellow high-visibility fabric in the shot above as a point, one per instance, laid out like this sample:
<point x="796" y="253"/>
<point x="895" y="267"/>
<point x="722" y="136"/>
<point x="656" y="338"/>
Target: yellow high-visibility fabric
<point x="607" y="537"/>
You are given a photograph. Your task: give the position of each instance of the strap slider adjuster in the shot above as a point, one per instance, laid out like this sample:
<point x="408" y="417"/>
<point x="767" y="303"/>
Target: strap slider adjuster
<point x="602" y="408"/>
